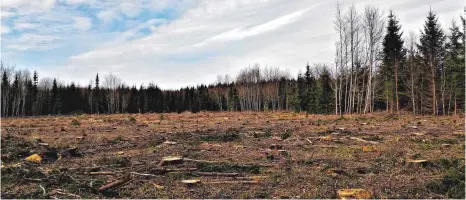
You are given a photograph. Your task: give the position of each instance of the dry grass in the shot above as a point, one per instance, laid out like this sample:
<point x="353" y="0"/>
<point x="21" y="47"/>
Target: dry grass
<point x="309" y="166"/>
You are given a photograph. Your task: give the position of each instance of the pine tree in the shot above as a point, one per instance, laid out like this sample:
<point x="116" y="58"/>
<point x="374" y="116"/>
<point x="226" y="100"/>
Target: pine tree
<point x="432" y="51"/>
<point x="393" y="56"/>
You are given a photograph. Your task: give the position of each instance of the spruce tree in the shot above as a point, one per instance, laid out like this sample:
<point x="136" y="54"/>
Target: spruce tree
<point x="54" y="97"/>
<point x="393" y="56"/>
<point x="326" y="92"/>
<point x="97" y="93"/>
<point x="454" y="68"/>
<point x="432" y="50"/>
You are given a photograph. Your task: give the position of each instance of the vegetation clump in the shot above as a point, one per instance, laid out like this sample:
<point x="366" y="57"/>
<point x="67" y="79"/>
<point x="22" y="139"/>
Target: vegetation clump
<point x="75" y="122"/>
<point x="452" y="184"/>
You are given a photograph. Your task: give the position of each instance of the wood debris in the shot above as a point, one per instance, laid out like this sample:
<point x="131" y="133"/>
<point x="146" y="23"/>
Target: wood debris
<point x="191" y="182"/>
<point x="34" y="158"/>
<point x="233" y="182"/>
<point x="368" y="148"/>
<point x="171" y="160"/>
<point x="354" y="194"/>
<point x="170" y="142"/>
<point x="102" y="173"/>
<point x="126" y="178"/>
<point x="326" y="138"/>
<point x="364" y="141"/>
<point x="217" y="174"/>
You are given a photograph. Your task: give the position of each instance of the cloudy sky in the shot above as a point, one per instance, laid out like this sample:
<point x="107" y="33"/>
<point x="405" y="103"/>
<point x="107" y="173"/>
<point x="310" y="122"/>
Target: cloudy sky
<point x="176" y="43"/>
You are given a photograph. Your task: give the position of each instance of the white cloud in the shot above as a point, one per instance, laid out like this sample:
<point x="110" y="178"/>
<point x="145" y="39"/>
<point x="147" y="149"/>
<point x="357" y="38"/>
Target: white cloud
<point x="206" y="37"/>
<point x="5" y="30"/>
<point x="109" y="15"/>
<point x="25" y="7"/>
<point x="241" y="33"/>
<point x="6" y="14"/>
<point x="82" y="23"/>
<point x="31" y="41"/>
<point x="23" y="26"/>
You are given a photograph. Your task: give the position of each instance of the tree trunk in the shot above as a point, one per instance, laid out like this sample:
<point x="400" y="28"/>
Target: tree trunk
<point x="396" y="88"/>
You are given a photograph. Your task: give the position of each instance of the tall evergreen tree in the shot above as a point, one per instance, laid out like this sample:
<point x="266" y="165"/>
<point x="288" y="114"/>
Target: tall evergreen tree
<point x="393" y="56"/>
<point x="326" y="93"/>
<point x="302" y="93"/>
<point x="54" y="97"/>
<point x="97" y="94"/>
<point x="454" y="68"/>
<point x="432" y="50"/>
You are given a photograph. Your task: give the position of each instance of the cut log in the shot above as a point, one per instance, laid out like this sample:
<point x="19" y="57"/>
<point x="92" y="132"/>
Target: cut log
<point x="191" y="182"/>
<point x="43" y="144"/>
<point x="421" y="162"/>
<point x="354" y="194"/>
<point x="171" y="160"/>
<point x="326" y="138"/>
<point x="34" y="158"/>
<point x="126" y="178"/>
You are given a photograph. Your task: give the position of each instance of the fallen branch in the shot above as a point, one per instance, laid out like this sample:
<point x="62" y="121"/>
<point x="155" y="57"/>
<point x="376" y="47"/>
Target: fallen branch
<point x="201" y="161"/>
<point x="164" y="170"/>
<point x="139" y="174"/>
<point x="43" y="189"/>
<point x="217" y="174"/>
<point x="80" y="168"/>
<point x="58" y="191"/>
<point x="117" y="183"/>
<point x="233" y="182"/>
<point x="250" y="177"/>
<point x="362" y="140"/>
<point x="309" y="140"/>
<point x="102" y="173"/>
<point x="180" y="169"/>
<point x="326" y="146"/>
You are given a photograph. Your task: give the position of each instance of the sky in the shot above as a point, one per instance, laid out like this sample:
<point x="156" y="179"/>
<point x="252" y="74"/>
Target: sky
<point x="178" y="43"/>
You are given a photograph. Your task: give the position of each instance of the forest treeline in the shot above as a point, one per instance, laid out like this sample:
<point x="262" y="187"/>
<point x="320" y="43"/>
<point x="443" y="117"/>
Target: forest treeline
<point x="376" y="67"/>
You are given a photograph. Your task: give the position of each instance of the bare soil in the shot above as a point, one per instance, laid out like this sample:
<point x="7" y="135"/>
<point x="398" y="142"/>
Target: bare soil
<point x="234" y="155"/>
